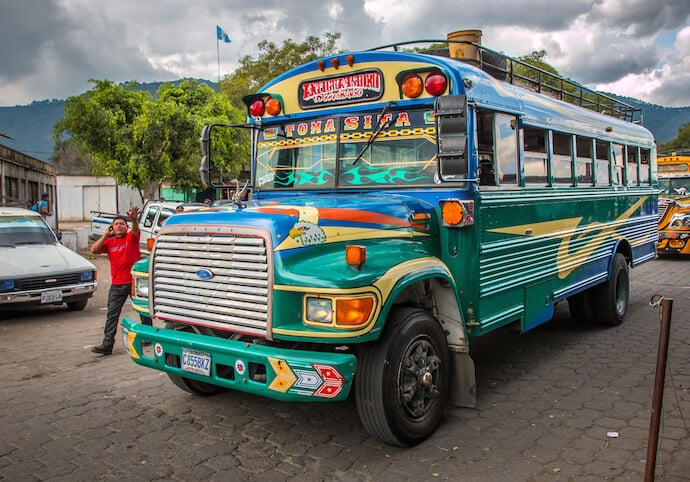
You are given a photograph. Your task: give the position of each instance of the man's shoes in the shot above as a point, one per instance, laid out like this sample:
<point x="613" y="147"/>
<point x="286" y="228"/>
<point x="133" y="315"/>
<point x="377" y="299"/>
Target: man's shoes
<point x="103" y="350"/>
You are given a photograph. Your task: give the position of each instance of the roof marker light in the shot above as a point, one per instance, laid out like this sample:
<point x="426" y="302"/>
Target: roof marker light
<point x="257" y="108"/>
<point x="435" y="84"/>
<point x="412" y="86"/>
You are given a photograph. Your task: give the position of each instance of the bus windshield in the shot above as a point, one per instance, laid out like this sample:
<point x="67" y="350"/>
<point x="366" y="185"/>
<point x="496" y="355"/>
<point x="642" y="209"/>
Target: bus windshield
<point x="339" y="152"/>
<point x="674" y="186"/>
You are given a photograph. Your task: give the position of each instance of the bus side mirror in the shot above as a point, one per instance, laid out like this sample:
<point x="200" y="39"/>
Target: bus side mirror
<point x="204" y="171"/>
<point x="451" y="128"/>
<point x="205" y="167"/>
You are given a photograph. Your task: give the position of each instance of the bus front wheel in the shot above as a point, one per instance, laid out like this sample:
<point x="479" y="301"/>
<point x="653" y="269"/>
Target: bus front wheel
<point x="612" y="297"/>
<point x="187" y="384"/>
<point x="402" y="381"/>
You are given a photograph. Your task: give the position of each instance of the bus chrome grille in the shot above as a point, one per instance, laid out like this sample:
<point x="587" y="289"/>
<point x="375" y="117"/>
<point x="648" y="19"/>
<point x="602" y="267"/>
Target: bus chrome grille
<point x="220" y="281"/>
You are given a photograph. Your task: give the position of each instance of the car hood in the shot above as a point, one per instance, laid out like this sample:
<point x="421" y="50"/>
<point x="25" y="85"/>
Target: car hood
<point x="38" y="260"/>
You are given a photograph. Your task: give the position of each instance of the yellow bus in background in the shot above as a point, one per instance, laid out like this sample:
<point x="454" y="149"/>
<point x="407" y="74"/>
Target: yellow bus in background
<point x="674" y="205"/>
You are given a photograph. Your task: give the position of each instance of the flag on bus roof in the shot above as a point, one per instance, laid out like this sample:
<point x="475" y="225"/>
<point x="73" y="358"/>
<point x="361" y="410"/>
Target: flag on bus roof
<point x="220" y="33"/>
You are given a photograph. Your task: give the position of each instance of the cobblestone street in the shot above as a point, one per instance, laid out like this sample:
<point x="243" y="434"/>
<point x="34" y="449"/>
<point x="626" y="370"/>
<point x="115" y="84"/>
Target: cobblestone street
<point x="548" y="404"/>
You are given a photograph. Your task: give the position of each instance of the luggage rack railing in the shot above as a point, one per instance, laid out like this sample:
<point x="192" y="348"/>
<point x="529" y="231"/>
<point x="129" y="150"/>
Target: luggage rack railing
<point x="521" y="73"/>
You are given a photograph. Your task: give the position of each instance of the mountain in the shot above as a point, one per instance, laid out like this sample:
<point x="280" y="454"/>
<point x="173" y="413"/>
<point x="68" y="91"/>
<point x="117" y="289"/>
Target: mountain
<point x="664" y="122"/>
<point x="30" y="126"/>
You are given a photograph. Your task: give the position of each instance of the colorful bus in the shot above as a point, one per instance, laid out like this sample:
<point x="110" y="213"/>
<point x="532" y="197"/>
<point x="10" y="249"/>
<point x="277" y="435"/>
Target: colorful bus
<point x="402" y="202"/>
<point x="674" y="204"/>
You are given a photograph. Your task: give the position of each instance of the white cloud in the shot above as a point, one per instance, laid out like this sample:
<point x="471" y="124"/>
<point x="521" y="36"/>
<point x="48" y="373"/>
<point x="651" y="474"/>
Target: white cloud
<point x="636" y="48"/>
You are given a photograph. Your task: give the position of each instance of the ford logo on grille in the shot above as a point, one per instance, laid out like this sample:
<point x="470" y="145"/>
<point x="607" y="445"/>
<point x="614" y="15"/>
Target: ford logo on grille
<point x="204" y="274"/>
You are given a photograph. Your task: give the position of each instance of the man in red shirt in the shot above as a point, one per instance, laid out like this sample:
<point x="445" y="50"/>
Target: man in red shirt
<point x="122" y="246"/>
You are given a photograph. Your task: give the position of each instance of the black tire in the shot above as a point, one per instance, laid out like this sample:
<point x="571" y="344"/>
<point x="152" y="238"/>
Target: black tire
<point x="77" y="305"/>
<point x="611" y="298"/>
<point x="194" y="386"/>
<point x="402" y="381"/>
<point x="187" y="384"/>
<point x="581" y="307"/>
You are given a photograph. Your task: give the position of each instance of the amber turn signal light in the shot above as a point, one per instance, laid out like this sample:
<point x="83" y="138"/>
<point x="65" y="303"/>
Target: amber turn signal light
<point x="353" y="311"/>
<point x="452" y="213"/>
<point x="355" y="256"/>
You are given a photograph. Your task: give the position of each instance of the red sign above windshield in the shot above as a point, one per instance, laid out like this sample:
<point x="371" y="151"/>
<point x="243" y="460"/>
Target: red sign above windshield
<point x="344" y="89"/>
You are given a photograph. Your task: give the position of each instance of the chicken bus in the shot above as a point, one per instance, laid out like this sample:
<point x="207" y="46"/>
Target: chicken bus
<point x="403" y="200"/>
<point x="674" y="204"/>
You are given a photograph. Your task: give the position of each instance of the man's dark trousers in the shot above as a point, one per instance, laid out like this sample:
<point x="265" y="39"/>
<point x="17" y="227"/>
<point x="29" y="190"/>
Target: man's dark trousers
<point x="116" y="299"/>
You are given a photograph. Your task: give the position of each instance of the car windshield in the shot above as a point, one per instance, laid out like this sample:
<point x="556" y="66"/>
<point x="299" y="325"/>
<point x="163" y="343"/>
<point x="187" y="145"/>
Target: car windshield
<point x="353" y="151"/>
<point x="21" y="230"/>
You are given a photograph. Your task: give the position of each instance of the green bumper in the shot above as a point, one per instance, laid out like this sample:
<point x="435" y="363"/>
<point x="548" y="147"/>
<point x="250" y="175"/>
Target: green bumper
<point x="278" y="373"/>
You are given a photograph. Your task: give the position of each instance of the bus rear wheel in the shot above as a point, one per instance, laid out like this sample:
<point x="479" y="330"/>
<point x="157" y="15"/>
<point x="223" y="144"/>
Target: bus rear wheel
<point x="581" y="307"/>
<point x="402" y="381"/>
<point x="611" y="298"/>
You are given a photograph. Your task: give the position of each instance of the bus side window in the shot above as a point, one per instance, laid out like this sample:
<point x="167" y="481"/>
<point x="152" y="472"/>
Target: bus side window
<point x="618" y="164"/>
<point x="632" y="167"/>
<point x="644" y="167"/>
<point x="506" y="152"/>
<point x="584" y="154"/>
<point x="536" y="160"/>
<point x="485" y="150"/>
<point x="603" y="163"/>
<point x="562" y="159"/>
<point x="487" y="174"/>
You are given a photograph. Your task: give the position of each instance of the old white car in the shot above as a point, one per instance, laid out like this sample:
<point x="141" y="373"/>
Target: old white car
<point x="35" y="268"/>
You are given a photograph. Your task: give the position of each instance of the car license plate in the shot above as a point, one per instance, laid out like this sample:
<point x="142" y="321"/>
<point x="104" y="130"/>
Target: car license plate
<point x="196" y="362"/>
<point x="51" y="296"/>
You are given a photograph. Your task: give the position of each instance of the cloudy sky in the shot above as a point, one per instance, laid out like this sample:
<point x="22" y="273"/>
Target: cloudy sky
<point x="51" y="48"/>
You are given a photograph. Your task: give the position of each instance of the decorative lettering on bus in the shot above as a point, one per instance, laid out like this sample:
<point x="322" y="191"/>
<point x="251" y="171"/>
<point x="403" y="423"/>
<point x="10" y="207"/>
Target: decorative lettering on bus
<point x="324" y="128"/>
<point x="343" y="89"/>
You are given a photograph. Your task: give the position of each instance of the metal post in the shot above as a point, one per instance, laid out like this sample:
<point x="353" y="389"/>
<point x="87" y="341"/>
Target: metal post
<point x="657" y="401"/>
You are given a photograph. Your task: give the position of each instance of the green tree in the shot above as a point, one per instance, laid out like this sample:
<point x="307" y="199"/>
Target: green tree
<point x="681" y="141"/>
<point x="140" y="140"/>
<point x="272" y="61"/>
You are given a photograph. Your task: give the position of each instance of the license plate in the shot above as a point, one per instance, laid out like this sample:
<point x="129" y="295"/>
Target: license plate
<point x="196" y="362"/>
<point x="51" y="296"/>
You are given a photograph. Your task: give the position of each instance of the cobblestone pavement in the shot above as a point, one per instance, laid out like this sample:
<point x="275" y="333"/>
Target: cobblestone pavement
<point x="547" y="400"/>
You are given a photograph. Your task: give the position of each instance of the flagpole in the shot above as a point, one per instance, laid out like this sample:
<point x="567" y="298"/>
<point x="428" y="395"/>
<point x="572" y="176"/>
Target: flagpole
<point x="218" y="53"/>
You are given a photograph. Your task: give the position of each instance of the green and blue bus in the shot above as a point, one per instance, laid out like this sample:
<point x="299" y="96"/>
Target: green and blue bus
<point x="402" y="202"/>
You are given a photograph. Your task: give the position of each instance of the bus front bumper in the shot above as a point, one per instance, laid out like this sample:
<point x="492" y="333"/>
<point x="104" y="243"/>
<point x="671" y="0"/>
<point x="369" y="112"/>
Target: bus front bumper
<point x="277" y="373"/>
<point x="673" y="244"/>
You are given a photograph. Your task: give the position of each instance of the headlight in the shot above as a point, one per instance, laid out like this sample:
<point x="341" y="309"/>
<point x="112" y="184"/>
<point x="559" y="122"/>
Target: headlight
<point x="141" y="287"/>
<point x="680" y="221"/>
<point x="319" y="310"/>
<point x="86" y="276"/>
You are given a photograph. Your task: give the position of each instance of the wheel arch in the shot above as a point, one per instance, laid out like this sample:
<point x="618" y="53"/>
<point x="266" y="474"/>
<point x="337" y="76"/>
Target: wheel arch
<point x="429" y="287"/>
<point x="623" y="247"/>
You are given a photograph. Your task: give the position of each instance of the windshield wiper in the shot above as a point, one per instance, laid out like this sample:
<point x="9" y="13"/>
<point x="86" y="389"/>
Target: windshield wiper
<point x="379" y="128"/>
<point x="31" y="242"/>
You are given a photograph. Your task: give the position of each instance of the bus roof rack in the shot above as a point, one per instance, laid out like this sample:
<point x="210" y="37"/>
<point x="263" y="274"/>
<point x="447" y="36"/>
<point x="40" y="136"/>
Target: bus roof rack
<point x="518" y="72"/>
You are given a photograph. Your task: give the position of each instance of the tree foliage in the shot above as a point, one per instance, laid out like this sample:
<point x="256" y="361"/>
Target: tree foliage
<point x="141" y="140"/>
<point x="681" y="141"/>
<point x="272" y="61"/>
